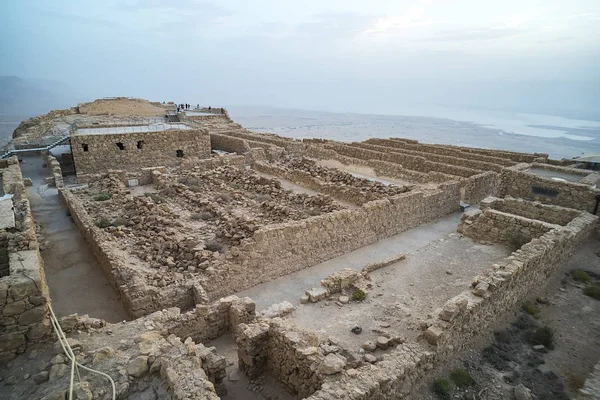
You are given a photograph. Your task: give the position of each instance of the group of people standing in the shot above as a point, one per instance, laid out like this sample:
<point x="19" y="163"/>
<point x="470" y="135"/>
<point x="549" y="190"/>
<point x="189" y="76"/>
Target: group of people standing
<point x="185" y="106"/>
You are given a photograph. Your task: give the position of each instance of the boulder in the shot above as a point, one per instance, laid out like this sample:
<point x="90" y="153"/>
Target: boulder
<point x="333" y="364"/>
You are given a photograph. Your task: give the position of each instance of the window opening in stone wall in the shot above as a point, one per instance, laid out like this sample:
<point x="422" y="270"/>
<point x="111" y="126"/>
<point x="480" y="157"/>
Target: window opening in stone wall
<point x="540" y="191"/>
<point x="140" y="144"/>
<point x="85" y="147"/>
<point x="179" y="153"/>
<point x="121" y="146"/>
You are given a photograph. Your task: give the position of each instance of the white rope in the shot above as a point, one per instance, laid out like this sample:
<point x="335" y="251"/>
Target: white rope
<point x="69" y="353"/>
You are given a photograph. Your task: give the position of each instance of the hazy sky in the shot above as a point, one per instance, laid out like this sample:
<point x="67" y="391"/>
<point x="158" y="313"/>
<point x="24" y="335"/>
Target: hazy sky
<point x="339" y="54"/>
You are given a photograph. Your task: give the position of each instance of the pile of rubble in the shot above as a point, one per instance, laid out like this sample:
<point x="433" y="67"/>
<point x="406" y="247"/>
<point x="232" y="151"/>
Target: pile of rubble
<point x="333" y="175"/>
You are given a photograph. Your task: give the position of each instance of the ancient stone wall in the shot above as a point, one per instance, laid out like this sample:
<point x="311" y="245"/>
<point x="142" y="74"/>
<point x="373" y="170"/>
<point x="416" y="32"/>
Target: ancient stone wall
<point x="439" y="149"/>
<point x="228" y="143"/>
<point x="54" y="166"/>
<point x="517" y="183"/>
<point x="502" y="288"/>
<point x="478" y="187"/>
<point x="350" y="194"/>
<point x="443" y="159"/>
<point x="408" y="161"/>
<point x="137" y="150"/>
<point x="23" y="290"/>
<point x="291" y="355"/>
<point x="381" y="168"/>
<point x="137" y="297"/>
<point x="499" y="227"/>
<point x="533" y="210"/>
<point x="281" y="249"/>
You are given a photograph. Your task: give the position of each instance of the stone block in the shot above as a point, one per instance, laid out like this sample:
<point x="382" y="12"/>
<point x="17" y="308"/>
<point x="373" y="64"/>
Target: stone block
<point x="481" y="289"/>
<point x="14" y="308"/>
<point x="11" y="341"/>
<point x="317" y="294"/>
<point x="434" y="335"/>
<point x="32" y="316"/>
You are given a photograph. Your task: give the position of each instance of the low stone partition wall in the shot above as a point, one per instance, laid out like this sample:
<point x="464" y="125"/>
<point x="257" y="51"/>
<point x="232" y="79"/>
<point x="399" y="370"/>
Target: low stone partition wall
<point x="54" y="166"/>
<point x="415" y="163"/>
<point x="439" y="149"/>
<point x="381" y="168"/>
<point x="138" y="298"/>
<point x="534" y="210"/>
<point x="275" y="140"/>
<point x="499" y="227"/>
<point x="516" y="182"/>
<point x="281" y="249"/>
<point x="293" y="356"/>
<point x="480" y="186"/>
<point x="349" y="194"/>
<point x="498" y="291"/>
<point x="24" y="292"/>
<point x="205" y="164"/>
<point x="450" y="159"/>
<point x="228" y="143"/>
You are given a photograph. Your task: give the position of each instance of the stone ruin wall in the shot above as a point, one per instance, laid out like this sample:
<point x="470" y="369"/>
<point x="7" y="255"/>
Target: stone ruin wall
<point x="137" y="297"/>
<point x="518" y="183"/>
<point x="274" y="251"/>
<point x="159" y="148"/>
<point x="381" y="168"/>
<point x="349" y="194"/>
<point x="533" y="210"/>
<point x="511" y="155"/>
<point x="290" y="354"/>
<point x="281" y="249"/>
<point x="162" y="352"/>
<point x="441" y="150"/>
<point x="465" y="316"/>
<point x="442" y="159"/>
<point x="23" y="292"/>
<point x="499" y="227"/>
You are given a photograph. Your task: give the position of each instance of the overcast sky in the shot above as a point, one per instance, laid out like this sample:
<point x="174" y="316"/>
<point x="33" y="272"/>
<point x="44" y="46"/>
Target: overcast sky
<point x="337" y="54"/>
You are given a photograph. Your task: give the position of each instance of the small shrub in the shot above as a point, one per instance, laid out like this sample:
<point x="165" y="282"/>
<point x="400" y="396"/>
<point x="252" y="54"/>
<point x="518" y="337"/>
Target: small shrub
<point x="516" y="240"/>
<point x="531" y="309"/>
<point x="462" y="378"/>
<point x="103" y="223"/>
<point x="204" y="216"/>
<point x="359" y="295"/>
<point x="581" y="276"/>
<point x="155" y="198"/>
<point x="592" y="291"/>
<point x="442" y="388"/>
<point x="501" y="336"/>
<point x="103" y="197"/>
<point x="213" y="245"/>
<point x="544" y="335"/>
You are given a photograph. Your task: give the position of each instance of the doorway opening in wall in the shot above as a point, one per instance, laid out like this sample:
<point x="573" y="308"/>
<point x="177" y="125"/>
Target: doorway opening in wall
<point x="179" y="153"/>
<point x="85" y="147"/>
<point x="140" y="144"/>
<point x="121" y="146"/>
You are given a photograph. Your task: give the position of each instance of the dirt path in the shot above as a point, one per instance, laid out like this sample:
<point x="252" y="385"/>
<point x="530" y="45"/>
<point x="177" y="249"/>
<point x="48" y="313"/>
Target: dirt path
<point x="76" y="281"/>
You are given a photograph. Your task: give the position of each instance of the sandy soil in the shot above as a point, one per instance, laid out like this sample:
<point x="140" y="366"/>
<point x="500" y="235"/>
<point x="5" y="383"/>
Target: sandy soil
<point x="504" y="356"/>
<point x="123" y="106"/>
<point x="404" y="293"/>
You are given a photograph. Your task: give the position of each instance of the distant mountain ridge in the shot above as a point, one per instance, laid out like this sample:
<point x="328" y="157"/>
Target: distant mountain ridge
<point x="32" y="96"/>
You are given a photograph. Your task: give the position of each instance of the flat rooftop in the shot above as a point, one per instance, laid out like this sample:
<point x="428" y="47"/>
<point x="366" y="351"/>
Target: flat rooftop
<point x="114" y="130"/>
